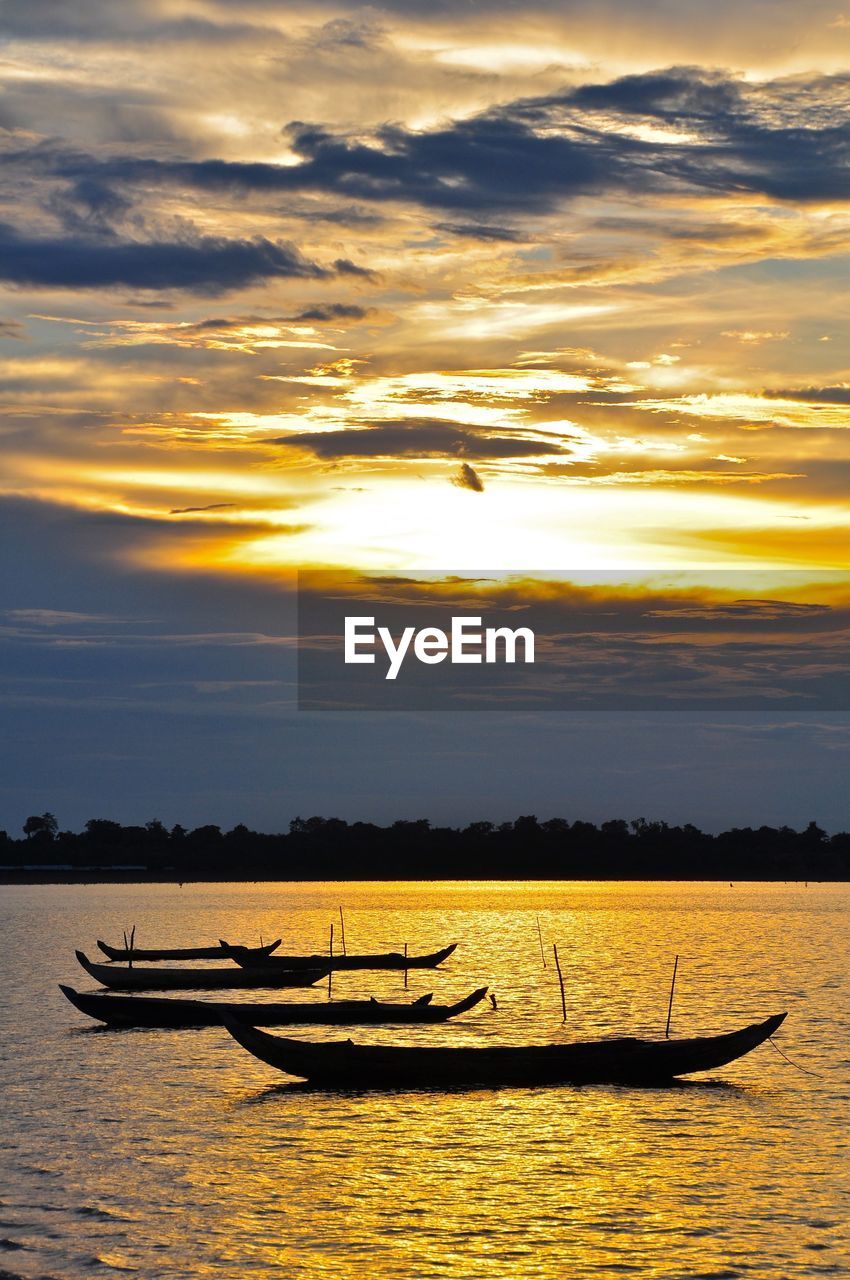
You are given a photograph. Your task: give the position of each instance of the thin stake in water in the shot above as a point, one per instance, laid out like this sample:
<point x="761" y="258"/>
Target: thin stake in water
<point x="331" y="954"/>
<point x="342" y="929"/>
<point x="405" y="966"/>
<point x="670" y="1005"/>
<point x="540" y="937"/>
<point x="560" y="980"/>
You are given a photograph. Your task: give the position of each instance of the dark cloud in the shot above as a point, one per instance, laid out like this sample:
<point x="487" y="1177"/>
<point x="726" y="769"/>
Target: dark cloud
<point x="348" y="217"/>
<point x="789" y="139"/>
<point x="466" y="477"/>
<point x="321" y="312"/>
<point x="89" y="206"/>
<point x="814" y="395"/>
<point x="417" y="438"/>
<point x="208" y="264"/>
<point x="345" y="267"/>
<point x="211" y="506"/>
<point x="674" y="93"/>
<point x="334" y="311"/>
<point x="491" y="160"/>
<point x="150" y="304"/>
<point x="220" y="324"/>
<point x="741" y="610"/>
<point x="478" y="231"/>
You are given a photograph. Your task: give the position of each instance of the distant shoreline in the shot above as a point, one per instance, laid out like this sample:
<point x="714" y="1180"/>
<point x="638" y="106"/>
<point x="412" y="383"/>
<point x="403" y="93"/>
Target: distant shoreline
<point x="30" y="878"/>
<point x="332" y="849"/>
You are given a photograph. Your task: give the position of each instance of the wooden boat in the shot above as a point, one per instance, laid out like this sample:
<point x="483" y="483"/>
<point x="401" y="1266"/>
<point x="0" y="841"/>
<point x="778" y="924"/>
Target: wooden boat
<point x="148" y="1011"/>
<point x="132" y="978"/>
<point x="346" y="1065"/>
<point x="219" y="952"/>
<point x="385" y="960"/>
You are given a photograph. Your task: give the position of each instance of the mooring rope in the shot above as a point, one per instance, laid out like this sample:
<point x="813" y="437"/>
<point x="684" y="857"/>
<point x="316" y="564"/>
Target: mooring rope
<point x="806" y="1070"/>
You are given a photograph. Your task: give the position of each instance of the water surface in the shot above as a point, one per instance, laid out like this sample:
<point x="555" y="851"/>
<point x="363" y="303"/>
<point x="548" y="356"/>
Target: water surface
<point x="175" y="1154"/>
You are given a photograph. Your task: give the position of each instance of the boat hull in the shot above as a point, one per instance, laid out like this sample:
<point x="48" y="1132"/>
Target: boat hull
<point x="385" y="960"/>
<point x="145" y="1011"/>
<point x="132" y="978"/>
<point x="345" y="1065"/>
<point x="219" y="952"/>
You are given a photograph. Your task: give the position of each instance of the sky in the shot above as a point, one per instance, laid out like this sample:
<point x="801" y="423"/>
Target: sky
<point x="417" y="286"/>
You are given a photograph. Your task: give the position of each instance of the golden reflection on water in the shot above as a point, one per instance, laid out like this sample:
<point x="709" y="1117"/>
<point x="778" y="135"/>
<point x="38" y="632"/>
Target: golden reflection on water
<point x="176" y="1154"/>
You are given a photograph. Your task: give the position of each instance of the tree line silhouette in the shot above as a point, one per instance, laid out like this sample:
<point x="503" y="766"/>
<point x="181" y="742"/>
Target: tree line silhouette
<point x="332" y="849"/>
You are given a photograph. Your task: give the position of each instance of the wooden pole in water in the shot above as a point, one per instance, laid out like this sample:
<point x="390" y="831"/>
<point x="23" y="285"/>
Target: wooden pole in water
<point x="331" y="954"/>
<point x="670" y="1005"/>
<point x="342" y="929"/>
<point x="560" y="980"/>
<point x="405" y="966"/>
<point x="540" y="937"/>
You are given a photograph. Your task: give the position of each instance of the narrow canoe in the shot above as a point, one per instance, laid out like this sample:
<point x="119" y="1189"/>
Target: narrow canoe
<point x="147" y="1011"/>
<point x="384" y="960"/>
<point x="131" y="978"/>
<point x="219" y="952"/>
<point x="345" y="1065"/>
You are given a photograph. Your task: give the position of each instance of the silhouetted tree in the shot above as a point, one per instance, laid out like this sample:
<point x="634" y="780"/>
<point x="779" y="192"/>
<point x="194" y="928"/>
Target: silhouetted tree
<point x="43" y="825"/>
<point x="316" y="847"/>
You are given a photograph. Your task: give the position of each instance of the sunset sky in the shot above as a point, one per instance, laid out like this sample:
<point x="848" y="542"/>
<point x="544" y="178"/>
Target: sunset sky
<point x="418" y="286"/>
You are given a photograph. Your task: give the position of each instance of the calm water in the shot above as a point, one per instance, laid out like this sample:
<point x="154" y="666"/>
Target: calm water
<point x="175" y="1154"/>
